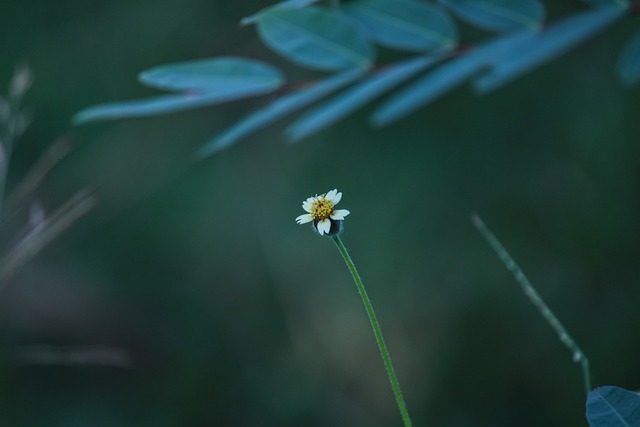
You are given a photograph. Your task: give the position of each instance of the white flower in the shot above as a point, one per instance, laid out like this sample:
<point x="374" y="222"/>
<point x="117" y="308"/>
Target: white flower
<point x="321" y="210"/>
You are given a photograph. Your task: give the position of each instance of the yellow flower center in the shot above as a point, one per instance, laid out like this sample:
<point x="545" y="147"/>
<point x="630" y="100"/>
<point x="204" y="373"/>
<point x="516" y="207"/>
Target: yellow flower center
<point x="321" y="208"/>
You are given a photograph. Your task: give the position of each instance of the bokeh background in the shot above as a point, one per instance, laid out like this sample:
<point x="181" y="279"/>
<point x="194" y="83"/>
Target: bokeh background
<point x="206" y="304"/>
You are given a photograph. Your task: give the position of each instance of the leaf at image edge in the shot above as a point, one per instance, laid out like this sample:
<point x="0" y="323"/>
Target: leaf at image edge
<point x="612" y="406"/>
<point x="529" y="52"/>
<point x="629" y="62"/>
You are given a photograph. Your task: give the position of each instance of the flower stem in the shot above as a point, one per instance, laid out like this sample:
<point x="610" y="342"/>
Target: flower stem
<point x="376" y="330"/>
<point x="536" y="299"/>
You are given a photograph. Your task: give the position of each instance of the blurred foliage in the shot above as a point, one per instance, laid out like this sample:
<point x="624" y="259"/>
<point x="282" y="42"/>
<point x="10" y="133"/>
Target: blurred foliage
<point x="190" y="297"/>
<point x="343" y="38"/>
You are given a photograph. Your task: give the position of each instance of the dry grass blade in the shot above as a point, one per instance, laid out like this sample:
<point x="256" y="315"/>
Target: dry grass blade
<point x="38" y="238"/>
<point x="57" y="151"/>
<point x="70" y="355"/>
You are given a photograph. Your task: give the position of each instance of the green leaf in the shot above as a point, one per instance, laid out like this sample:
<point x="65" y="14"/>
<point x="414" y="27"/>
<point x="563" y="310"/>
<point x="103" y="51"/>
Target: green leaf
<point x="277" y="110"/>
<point x="226" y="73"/>
<point x="204" y="82"/>
<point x="499" y="15"/>
<point x="607" y="2"/>
<point x="611" y="406"/>
<point x="629" y="62"/>
<point x="404" y="24"/>
<point x="140" y="108"/>
<point x="509" y="56"/>
<point x="354" y="98"/>
<point x="528" y="52"/>
<point x="316" y="38"/>
<point x="288" y="4"/>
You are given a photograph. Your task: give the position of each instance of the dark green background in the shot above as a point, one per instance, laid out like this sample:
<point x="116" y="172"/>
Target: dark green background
<point x="235" y="316"/>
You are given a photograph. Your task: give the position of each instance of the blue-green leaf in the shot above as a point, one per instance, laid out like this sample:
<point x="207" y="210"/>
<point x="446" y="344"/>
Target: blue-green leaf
<point x="499" y="15"/>
<point x="316" y="37"/>
<point x="430" y="87"/>
<point x="354" y="98"/>
<point x="629" y="63"/>
<point x="443" y="79"/>
<point x="404" y="24"/>
<point x="202" y="82"/>
<point x="225" y="73"/>
<point x="148" y="107"/>
<point x="287" y="4"/>
<point x="607" y="2"/>
<point x="529" y="52"/>
<point x="611" y="406"/>
<point x="277" y="110"/>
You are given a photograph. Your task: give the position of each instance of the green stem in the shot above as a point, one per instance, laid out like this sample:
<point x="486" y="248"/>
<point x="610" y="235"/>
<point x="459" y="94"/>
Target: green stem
<point x="536" y="299"/>
<point x="376" y="330"/>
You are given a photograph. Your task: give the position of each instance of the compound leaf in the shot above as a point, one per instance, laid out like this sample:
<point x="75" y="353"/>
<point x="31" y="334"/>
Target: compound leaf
<point x="529" y="52"/>
<point x="427" y="89"/>
<point x="203" y="82"/>
<point x="357" y="96"/>
<point x="277" y="110"/>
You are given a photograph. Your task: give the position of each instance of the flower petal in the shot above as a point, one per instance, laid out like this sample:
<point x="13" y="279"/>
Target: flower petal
<point x="306" y="205"/>
<point x="337" y="197"/>
<point x="339" y="214"/>
<point x="324" y="226"/>
<point x="304" y="218"/>
<point x="331" y="195"/>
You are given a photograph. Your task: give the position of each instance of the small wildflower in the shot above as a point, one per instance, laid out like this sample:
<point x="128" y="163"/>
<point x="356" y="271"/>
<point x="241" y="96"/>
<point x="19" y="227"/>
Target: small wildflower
<point x="321" y="210"/>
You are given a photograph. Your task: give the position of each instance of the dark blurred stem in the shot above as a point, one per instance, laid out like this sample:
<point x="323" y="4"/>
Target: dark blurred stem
<point x="3" y="177"/>
<point x="55" y="153"/>
<point x="39" y="237"/>
<point x="376" y="330"/>
<point x="7" y="148"/>
<point x="536" y="299"/>
<point x="7" y="144"/>
<point x="335" y="4"/>
<point x="14" y="122"/>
